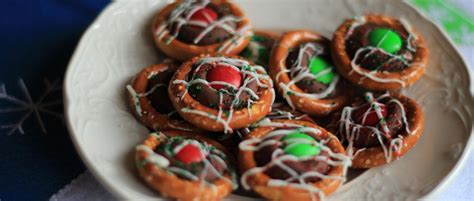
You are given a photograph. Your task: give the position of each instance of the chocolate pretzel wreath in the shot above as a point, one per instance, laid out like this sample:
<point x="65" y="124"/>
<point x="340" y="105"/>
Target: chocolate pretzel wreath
<point x="378" y="129"/>
<point x="185" y="166"/>
<point x="292" y="160"/>
<point x="148" y="98"/>
<point x="221" y="93"/>
<point x="186" y="29"/>
<point x="379" y="53"/>
<point x="301" y="68"/>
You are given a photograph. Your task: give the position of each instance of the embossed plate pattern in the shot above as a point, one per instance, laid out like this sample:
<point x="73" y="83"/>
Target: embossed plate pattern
<point x="118" y="45"/>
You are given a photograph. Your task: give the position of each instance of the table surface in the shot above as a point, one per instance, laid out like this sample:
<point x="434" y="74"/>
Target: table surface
<point x="38" y="38"/>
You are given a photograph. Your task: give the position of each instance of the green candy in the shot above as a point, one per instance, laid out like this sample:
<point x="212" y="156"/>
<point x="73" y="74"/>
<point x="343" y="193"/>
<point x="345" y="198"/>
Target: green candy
<point x="385" y="39"/>
<point x="247" y="53"/>
<point x="297" y="135"/>
<point x="318" y="64"/>
<point x="300" y="149"/>
<point x="258" y="38"/>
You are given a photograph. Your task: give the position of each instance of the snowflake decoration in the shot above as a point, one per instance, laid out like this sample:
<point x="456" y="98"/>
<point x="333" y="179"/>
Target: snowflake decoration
<point x="30" y="107"/>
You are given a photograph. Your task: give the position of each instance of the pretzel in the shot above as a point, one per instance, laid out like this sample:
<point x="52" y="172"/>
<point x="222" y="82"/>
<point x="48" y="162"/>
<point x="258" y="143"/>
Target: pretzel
<point x="255" y="178"/>
<point x="395" y="146"/>
<point x="221" y="119"/>
<point x="141" y="104"/>
<point x="155" y="169"/>
<point x="310" y="103"/>
<point x="182" y="51"/>
<point x="376" y="79"/>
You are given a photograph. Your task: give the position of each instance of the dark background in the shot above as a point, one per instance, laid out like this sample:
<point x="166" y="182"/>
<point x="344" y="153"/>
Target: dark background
<point x="38" y="38"/>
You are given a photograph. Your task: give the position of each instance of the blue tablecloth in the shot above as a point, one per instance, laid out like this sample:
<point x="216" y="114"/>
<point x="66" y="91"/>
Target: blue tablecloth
<point x="37" y="39"/>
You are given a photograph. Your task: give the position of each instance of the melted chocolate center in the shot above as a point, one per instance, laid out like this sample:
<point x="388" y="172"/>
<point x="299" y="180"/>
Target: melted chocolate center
<point x="159" y="98"/>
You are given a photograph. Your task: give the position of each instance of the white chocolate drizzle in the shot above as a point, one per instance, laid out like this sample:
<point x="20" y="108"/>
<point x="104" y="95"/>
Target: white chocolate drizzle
<point x="274" y="114"/>
<point x="249" y="73"/>
<point x="278" y="157"/>
<point x="282" y="114"/>
<point x="136" y="100"/>
<point x="136" y="97"/>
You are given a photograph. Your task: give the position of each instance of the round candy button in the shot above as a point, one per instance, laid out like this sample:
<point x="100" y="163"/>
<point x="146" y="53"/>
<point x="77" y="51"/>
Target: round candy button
<point x="225" y="74"/>
<point x="386" y="39"/>
<point x="318" y="64"/>
<point x="300" y="145"/>
<point x="371" y="118"/>
<point x="205" y="15"/>
<point x="302" y="149"/>
<point x="298" y="137"/>
<point x="189" y="154"/>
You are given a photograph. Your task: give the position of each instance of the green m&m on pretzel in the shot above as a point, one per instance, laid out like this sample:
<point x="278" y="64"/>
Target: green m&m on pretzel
<point x="318" y="64"/>
<point x="386" y="39"/>
<point x="298" y="136"/>
<point x="300" y="145"/>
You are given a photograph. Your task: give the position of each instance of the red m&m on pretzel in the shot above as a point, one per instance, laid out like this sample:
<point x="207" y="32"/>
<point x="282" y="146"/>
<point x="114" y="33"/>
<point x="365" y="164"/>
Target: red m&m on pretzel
<point x="367" y="115"/>
<point x="190" y="153"/>
<point x="225" y="74"/>
<point x="205" y="15"/>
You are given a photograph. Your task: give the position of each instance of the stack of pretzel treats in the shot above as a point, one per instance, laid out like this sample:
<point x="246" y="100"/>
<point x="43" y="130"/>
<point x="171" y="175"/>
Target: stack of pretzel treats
<point x="283" y="115"/>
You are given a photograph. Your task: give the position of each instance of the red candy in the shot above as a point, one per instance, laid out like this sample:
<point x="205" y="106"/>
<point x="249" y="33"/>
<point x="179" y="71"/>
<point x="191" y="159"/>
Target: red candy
<point x="205" y="15"/>
<point x="372" y="119"/>
<point x="189" y="154"/>
<point x="224" y="74"/>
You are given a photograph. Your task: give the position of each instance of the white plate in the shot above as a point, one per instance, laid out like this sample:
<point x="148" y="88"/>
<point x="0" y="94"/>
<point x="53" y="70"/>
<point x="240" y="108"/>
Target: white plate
<point x="119" y="44"/>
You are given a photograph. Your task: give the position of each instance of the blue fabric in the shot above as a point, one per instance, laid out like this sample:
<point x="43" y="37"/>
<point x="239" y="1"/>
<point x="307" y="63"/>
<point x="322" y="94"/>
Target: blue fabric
<point x="38" y="38"/>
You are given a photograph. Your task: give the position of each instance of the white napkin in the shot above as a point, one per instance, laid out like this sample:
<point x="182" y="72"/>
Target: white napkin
<point x="84" y="187"/>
